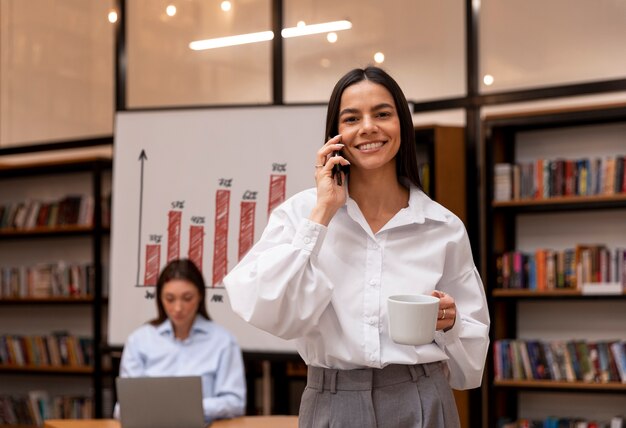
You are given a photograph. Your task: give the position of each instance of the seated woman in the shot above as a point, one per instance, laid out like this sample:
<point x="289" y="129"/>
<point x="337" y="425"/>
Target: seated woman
<point x="183" y="341"/>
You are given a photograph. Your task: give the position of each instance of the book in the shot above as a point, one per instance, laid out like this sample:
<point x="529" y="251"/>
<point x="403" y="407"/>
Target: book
<point x="594" y="360"/>
<point x="527" y="366"/>
<point x="582" y="355"/>
<point x="538" y="361"/>
<point x="619" y="354"/>
<point x="573" y="359"/>
<point x="553" y="366"/>
<point x="603" y="362"/>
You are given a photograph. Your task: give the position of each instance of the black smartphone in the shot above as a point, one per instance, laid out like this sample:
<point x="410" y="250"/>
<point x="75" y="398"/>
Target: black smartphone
<point x="337" y="169"/>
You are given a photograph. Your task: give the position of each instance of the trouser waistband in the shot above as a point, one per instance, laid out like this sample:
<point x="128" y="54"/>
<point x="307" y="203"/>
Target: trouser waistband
<point x="366" y="379"/>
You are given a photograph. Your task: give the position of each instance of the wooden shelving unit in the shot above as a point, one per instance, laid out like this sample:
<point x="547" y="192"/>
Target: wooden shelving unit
<point x="94" y="170"/>
<point x="506" y="224"/>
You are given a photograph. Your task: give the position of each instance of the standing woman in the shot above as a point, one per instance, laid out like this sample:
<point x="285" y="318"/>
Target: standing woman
<point x="330" y="256"/>
<point x="183" y="341"/>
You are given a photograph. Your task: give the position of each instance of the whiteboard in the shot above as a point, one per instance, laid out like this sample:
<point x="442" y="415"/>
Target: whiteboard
<point x="201" y="184"/>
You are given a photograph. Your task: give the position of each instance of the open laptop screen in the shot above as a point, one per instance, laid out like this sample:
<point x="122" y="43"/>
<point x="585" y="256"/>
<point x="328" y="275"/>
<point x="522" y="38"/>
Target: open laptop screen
<point x="160" y="402"/>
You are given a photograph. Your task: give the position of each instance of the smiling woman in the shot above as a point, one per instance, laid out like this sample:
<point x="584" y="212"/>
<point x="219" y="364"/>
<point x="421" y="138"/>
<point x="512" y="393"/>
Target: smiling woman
<point x="331" y="256"/>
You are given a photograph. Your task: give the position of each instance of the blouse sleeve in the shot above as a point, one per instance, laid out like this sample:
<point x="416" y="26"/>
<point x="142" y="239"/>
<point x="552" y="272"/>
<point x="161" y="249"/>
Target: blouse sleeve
<point x="277" y="286"/>
<point x="467" y="342"/>
<point x="229" y="398"/>
<point x="132" y="364"/>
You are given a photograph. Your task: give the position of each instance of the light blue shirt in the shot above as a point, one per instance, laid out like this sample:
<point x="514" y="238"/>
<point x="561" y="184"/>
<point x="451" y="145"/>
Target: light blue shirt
<point x="210" y="351"/>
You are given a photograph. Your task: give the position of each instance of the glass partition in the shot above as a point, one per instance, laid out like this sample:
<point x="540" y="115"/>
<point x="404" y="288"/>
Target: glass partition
<point x="164" y="71"/>
<point x="420" y="43"/>
<point x="534" y="43"/>
<point x="56" y="70"/>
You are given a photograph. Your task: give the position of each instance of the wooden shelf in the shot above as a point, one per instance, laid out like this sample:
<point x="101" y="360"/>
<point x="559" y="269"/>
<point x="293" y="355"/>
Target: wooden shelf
<point x="46" y="369"/>
<point x="561" y="199"/>
<point x="563" y="203"/>
<point x="78" y="164"/>
<point x="46" y="300"/>
<point x="552" y="384"/>
<point x="518" y="138"/>
<point x="18" y="426"/>
<point x="95" y="172"/>
<point x="559" y="293"/>
<point x="49" y="231"/>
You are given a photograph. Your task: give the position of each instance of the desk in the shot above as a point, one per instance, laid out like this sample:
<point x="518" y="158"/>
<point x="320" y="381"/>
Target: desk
<point x="243" y="422"/>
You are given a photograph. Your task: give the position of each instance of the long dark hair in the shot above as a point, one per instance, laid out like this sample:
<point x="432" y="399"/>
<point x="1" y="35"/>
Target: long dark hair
<point x="406" y="159"/>
<point x="180" y="269"/>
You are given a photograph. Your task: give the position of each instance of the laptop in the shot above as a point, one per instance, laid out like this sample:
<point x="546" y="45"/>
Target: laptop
<point x="160" y="402"/>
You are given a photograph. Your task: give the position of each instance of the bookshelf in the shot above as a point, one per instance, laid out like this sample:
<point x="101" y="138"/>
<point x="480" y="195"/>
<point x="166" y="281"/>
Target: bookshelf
<point x="564" y="214"/>
<point x="442" y="149"/>
<point x="73" y="310"/>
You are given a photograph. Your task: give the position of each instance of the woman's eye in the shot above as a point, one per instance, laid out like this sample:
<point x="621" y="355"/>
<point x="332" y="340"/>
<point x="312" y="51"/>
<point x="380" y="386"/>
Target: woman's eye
<point x="384" y="114"/>
<point x="349" y="119"/>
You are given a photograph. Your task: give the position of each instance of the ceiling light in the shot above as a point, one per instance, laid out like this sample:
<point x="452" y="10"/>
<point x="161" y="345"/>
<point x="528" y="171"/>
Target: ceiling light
<point x="240" y="39"/>
<point x="170" y="10"/>
<point x="488" y="79"/>
<point x="113" y="17"/>
<point x="263" y="36"/>
<point x="379" y="57"/>
<point x="325" y="27"/>
<point x="331" y="37"/>
<point x="226" y="5"/>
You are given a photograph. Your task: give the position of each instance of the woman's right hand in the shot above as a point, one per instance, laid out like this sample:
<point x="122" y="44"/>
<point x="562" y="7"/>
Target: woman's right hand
<point x="330" y="196"/>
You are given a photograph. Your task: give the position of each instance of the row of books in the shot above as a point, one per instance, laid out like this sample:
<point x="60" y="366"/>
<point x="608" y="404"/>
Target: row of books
<point x="547" y="178"/>
<point x="556" y="422"/>
<point x="54" y="350"/>
<point x="74" y="210"/>
<point x="47" y="280"/>
<point x="573" y="268"/>
<point x="570" y="361"/>
<point x="36" y="406"/>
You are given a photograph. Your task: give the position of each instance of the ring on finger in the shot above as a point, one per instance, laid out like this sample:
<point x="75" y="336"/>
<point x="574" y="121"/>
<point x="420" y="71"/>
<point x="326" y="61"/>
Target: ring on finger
<point x="319" y="166"/>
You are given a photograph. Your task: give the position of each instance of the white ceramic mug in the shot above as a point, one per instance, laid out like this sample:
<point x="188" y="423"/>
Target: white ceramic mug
<point x="412" y="318"/>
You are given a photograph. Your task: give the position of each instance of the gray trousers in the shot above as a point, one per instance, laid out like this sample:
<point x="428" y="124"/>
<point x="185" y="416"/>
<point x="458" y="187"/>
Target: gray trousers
<point x="397" y="396"/>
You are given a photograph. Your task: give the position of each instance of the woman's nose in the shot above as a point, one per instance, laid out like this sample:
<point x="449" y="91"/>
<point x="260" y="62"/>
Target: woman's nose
<point x="368" y="125"/>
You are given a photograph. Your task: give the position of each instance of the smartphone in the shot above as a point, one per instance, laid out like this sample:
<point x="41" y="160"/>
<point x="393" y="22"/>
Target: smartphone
<point x="337" y="169"/>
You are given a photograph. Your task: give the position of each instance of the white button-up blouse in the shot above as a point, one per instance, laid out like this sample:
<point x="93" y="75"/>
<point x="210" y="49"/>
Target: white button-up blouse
<point x="327" y="287"/>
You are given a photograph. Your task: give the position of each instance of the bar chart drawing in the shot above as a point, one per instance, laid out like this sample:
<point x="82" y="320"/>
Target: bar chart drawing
<point x="173" y="235"/>
<point x="176" y="221"/>
<point x="196" y="243"/>
<point x="246" y="223"/>
<point x="220" y="242"/>
<point x="201" y="184"/>
<point x="153" y="263"/>
<point x="278" y="185"/>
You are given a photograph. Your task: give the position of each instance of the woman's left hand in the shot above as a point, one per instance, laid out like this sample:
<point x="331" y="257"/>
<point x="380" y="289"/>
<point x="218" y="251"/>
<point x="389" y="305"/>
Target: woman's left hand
<point x="446" y="317"/>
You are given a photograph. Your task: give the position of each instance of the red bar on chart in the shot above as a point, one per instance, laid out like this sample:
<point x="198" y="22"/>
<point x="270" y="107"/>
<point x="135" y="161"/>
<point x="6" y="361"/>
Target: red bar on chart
<point x="153" y="263"/>
<point x="196" y="241"/>
<point x="246" y="227"/>
<point x="220" y="243"/>
<point x="278" y="184"/>
<point x="173" y="235"/>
